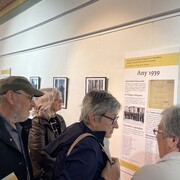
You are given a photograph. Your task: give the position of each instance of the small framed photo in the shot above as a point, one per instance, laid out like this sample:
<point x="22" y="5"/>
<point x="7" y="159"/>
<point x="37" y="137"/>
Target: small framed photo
<point x="61" y="83"/>
<point x="35" y="81"/>
<point x="95" y="83"/>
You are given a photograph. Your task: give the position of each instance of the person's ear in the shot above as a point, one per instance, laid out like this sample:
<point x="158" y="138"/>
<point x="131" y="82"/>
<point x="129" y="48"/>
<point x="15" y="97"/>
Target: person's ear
<point x="174" y="141"/>
<point x="10" y="97"/>
<point x="92" y="120"/>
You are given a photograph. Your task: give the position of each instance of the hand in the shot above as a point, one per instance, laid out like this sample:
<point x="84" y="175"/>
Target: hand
<point x="111" y="171"/>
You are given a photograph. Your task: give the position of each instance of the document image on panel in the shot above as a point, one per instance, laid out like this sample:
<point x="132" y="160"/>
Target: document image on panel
<point x="160" y="93"/>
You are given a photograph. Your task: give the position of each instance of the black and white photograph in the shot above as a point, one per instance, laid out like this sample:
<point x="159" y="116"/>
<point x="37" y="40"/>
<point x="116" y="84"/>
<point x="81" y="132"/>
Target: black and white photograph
<point x="95" y="83"/>
<point x="134" y="113"/>
<point x="35" y="81"/>
<point x="61" y="84"/>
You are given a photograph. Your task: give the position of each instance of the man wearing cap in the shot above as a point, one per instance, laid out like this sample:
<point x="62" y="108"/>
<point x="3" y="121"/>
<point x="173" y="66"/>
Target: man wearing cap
<point x="16" y="94"/>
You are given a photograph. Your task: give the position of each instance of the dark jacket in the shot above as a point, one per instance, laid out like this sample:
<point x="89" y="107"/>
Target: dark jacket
<point x="41" y="135"/>
<point x="12" y="160"/>
<point x="85" y="162"/>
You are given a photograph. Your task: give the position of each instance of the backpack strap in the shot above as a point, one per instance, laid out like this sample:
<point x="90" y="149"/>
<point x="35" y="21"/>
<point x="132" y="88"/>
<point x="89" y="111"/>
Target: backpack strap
<point x="82" y="136"/>
<point x="79" y="138"/>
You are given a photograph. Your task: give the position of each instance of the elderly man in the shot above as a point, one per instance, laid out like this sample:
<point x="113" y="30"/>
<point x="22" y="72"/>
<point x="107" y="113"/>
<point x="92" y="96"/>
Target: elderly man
<point x="16" y="100"/>
<point x="168" y="139"/>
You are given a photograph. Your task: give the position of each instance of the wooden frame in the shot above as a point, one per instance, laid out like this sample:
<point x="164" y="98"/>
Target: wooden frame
<point x="61" y="83"/>
<point x="35" y="81"/>
<point x="95" y="83"/>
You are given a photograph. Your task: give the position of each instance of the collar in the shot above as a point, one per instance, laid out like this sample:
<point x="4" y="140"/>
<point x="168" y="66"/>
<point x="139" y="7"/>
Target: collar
<point x="98" y="134"/>
<point x="170" y="156"/>
<point x="7" y="124"/>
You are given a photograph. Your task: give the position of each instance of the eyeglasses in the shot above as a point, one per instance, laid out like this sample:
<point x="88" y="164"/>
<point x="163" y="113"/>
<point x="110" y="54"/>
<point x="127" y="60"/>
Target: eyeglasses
<point x="114" y="120"/>
<point x="29" y="97"/>
<point x="157" y="131"/>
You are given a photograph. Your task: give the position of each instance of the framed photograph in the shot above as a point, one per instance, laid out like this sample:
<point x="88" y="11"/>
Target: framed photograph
<point x="35" y="81"/>
<point x="95" y="83"/>
<point x="61" y="84"/>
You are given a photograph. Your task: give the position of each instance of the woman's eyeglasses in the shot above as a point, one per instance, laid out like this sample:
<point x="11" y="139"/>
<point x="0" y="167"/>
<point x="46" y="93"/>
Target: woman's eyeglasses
<point x="114" y="120"/>
<point x="157" y="131"/>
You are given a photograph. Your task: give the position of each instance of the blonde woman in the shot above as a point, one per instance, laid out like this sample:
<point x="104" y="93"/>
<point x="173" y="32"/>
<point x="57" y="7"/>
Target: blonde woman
<point x="47" y="125"/>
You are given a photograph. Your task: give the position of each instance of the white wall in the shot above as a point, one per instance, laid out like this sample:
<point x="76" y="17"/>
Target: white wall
<point x="140" y="26"/>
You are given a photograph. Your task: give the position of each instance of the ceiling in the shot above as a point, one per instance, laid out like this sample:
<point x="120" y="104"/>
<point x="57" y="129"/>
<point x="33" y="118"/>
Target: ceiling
<point x="11" y="8"/>
<point x="5" y="3"/>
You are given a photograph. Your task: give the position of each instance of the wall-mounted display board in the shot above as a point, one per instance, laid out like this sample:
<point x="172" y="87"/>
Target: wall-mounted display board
<point x="5" y="73"/>
<point x="150" y="85"/>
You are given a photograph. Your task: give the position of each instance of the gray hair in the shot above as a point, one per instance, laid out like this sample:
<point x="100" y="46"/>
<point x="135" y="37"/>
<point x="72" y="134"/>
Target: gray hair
<point x="171" y="122"/>
<point x="44" y="103"/>
<point x="2" y="98"/>
<point x="99" y="103"/>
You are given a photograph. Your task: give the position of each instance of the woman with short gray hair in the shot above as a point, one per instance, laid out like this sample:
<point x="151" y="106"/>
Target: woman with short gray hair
<point x="86" y="158"/>
<point x="168" y="139"/>
<point x="171" y="122"/>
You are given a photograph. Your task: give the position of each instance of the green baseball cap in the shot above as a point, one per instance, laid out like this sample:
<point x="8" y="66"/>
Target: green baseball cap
<point x="16" y="83"/>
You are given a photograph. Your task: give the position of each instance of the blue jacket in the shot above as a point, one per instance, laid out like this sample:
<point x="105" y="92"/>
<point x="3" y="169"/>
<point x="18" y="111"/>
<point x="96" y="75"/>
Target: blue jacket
<point x="85" y="162"/>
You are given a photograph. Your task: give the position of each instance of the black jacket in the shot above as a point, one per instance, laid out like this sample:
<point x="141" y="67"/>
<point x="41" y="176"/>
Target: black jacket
<point x="11" y="159"/>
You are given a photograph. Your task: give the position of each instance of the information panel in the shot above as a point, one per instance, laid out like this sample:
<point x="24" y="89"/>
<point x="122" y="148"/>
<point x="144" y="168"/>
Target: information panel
<point x="150" y="85"/>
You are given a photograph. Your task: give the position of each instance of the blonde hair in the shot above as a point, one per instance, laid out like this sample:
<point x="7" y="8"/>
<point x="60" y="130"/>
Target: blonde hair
<point x="43" y="107"/>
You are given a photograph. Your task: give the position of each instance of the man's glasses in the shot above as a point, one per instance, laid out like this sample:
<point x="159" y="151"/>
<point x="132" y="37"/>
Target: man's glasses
<point x="29" y="97"/>
<point x="157" y="131"/>
<point x="114" y="120"/>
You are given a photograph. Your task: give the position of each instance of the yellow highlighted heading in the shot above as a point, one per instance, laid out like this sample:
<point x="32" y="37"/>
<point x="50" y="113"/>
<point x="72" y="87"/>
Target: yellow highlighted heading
<point x="151" y="61"/>
<point x="7" y="71"/>
<point x="129" y="165"/>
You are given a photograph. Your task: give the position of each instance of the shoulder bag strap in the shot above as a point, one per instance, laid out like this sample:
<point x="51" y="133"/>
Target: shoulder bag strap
<point x="82" y="136"/>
